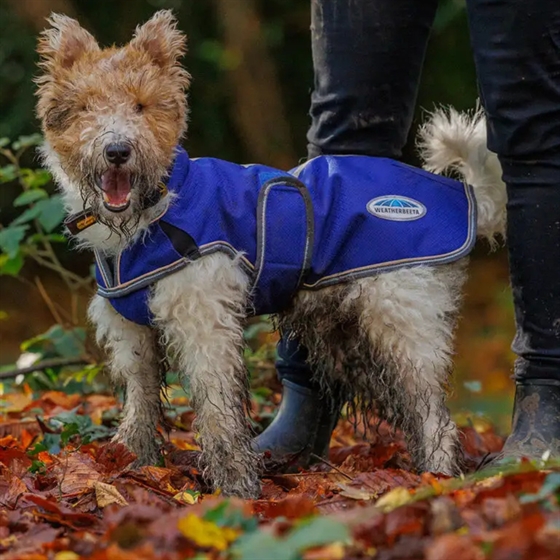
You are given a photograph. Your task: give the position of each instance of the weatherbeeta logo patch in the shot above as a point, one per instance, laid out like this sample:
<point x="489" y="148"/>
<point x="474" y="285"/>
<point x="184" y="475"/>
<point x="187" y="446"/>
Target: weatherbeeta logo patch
<point x="396" y="208"/>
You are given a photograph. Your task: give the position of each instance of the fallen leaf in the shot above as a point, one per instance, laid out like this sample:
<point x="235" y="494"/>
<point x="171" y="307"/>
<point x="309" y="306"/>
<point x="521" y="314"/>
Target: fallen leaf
<point x="394" y="499"/>
<point x="445" y="516"/>
<point x="15" y="402"/>
<point x="356" y="493"/>
<point x="549" y="536"/>
<point x="449" y="547"/>
<point x="158" y="477"/>
<point x="409" y="520"/>
<point x="52" y="399"/>
<point x="382" y="480"/>
<point x="10" y="454"/>
<point x="19" y="428"/>
<point x="334" y="551"/>
<point x="16" y="488"/>
<point x="77" y="473"/>
<point x="106" y="494"/>
<point x="205" y="533"/>
<point x="499" y="511"/>
<point x="114" y="457"/>
<point x="187" y="497"/>
<point x="291" y="507"/>
<point x="58" y="514"/>
<point x="66" y="555"/>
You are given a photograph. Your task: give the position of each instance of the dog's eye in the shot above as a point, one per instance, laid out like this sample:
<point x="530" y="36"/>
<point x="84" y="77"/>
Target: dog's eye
<point x="138" y="108"/>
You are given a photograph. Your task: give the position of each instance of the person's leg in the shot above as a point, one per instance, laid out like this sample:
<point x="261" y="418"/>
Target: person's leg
<point x="517" y="53"/>
<point x="367" y="57"/>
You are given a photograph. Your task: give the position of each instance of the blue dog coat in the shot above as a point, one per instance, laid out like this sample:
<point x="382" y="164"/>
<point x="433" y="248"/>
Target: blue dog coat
<point x="333" y="219"/>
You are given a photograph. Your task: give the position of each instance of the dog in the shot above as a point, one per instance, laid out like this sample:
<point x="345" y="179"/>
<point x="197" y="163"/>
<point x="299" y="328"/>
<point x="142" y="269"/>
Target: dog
<point x="112" y="120"/>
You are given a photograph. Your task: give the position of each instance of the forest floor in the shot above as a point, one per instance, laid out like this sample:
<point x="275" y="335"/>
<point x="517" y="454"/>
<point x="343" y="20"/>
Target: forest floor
<point x="66" y="493"/>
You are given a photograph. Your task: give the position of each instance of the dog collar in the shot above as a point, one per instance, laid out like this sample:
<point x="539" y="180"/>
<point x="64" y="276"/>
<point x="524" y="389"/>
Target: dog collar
<point x="78" y="222"/>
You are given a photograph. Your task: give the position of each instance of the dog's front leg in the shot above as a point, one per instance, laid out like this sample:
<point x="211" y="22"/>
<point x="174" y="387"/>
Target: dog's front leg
<point x="200" y="311"/>
<point x="133" y="363"/>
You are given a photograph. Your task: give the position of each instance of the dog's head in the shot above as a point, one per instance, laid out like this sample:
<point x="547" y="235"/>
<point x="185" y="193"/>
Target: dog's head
<point x="112" y="117"/>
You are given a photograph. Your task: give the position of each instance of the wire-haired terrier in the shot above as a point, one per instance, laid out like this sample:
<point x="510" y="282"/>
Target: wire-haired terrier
<point x="362" y="258"/>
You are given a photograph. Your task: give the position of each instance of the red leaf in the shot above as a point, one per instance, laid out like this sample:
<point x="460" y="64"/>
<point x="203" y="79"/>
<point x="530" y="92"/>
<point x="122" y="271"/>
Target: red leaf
<point x="447" y="547"/>
<point x="115" y="457"/>
<point x="60" y="515"/>
<point x="292" y="507"/>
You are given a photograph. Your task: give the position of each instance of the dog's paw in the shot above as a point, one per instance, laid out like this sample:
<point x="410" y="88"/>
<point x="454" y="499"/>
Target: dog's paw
<point x="234" y="471"/>
<point x="248" y="488"/>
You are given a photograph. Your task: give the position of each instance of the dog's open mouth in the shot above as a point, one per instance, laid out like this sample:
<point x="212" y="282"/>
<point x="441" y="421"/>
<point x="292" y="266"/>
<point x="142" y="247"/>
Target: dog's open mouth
<point x="116" y="185"/>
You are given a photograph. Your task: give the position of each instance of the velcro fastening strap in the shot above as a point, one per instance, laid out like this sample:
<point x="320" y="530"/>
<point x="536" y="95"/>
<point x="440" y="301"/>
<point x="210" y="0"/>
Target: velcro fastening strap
<point x="183" y="243"/>
<point x="285" y="231"/>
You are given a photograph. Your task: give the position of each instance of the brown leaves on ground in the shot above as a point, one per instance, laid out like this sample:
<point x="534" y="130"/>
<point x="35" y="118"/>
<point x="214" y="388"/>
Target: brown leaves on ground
<point x="364" y="502"/>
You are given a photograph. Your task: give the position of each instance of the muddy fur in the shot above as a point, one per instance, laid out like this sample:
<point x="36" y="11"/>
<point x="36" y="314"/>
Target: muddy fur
<point x="389" y="352"/>
<point x="384" y="341"/>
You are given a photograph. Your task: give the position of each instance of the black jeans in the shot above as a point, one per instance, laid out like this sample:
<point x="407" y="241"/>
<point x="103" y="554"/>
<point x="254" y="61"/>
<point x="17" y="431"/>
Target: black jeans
<point x="368" y="56"/>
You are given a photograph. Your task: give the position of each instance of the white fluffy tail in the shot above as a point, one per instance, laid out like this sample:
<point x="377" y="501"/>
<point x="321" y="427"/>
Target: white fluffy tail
<point x="456" y="142"/>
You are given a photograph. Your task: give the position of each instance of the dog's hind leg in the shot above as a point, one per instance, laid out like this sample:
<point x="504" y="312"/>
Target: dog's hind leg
<point x="408" y="316"/>
<point x="200" y="311"/>
<point x="133" y="363"/>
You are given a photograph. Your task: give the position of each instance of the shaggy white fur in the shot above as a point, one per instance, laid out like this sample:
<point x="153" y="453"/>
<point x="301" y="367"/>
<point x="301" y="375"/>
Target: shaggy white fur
<point x="387" y="340"/>
<point x="453" y="141"/>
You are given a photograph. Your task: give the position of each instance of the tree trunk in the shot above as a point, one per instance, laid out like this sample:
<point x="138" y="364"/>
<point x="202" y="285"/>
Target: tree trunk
<point x="36" y="12"/>
<point x="258" y="110"/>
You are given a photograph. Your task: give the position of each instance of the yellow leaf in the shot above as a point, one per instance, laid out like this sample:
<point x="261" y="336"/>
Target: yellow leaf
<point x="107" y="494"/>
<point x="66" y="555"/>
<point x="395" y="498"/>
<point x="491" y="481"/>
<point x="15" y="402"/>
<point x="97" y="416"/>
<point x="334" y="551"/>
<point x="205" y="533"/>
<point x="184" y="445"/>
<point x="186" y="498"/>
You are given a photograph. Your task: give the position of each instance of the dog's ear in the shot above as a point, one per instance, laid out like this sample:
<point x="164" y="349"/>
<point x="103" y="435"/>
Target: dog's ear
<point x="161" y="39"/>
<point x="64" y="42"/>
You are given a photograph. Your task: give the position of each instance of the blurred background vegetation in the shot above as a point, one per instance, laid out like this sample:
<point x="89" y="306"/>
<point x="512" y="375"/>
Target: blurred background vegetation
<point x="252" y="77"/>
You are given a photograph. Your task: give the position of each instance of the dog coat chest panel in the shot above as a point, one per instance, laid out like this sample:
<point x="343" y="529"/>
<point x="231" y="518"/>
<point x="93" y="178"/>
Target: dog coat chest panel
<point x="330" y="220"/>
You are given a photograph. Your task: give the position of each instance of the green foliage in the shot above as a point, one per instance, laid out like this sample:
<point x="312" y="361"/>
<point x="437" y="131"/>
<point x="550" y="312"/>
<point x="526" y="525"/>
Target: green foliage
<point x="67" y="427"/>
<point x="67" y="346"/>
<point x="224" y="516"/>
<point x="308" y="534"/>
<point x="549" y="489"/>
<point x="57" y="342"/>
<point x="31" y="233"/>
<point x="37" y="467"/>
<point x="10" y="240"/>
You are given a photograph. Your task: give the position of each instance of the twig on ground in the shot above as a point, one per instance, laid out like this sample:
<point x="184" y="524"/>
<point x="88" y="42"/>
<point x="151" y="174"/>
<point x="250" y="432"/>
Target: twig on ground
<point x="334" y="467"/>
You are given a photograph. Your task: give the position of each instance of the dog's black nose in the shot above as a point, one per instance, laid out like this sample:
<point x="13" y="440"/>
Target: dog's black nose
<point x="117" y="153"/>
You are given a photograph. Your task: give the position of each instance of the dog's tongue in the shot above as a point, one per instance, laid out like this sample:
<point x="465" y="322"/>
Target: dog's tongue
<point x="115" y="184"/>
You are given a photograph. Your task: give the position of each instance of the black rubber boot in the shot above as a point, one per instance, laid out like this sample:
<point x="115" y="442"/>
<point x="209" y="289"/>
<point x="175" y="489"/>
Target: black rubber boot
<point x="535" y="432"/>
<point x="302" y="428"/>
